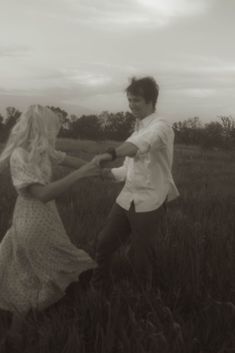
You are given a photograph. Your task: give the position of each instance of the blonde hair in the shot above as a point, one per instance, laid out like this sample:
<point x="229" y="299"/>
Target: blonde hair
<point x="35" y="131"/>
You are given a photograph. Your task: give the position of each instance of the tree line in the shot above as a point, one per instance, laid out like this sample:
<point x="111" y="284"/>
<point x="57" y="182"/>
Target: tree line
<point x="118" y="126"/>
<point x="220" y="133"/>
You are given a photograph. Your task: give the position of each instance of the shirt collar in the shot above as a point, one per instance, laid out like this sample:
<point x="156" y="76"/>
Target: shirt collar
<point x="140" y="124"/>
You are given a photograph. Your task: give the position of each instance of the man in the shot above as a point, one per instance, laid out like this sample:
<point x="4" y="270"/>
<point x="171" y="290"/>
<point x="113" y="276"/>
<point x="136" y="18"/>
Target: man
<point x="139" y="210"/>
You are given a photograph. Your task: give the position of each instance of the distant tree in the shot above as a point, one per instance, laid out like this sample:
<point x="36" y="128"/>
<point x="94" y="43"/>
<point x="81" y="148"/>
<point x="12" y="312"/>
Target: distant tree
<point x="189" y="131"/>
<point x="193" y="123"/>
<point x="2" y="128"/>
<point x="86" y="127"/>
<point x="73" y="118"/>
<point x="104" y="118"/>
<point x="233" y="137"/>
<point x="119" y="126"/>
<point x="62" y="113"/>
<point x="228" y="125"/>
<point x="212" y="135"/>
<point x="12" y="115"/>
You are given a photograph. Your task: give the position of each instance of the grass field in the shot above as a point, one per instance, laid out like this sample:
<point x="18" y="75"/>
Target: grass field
<point x="192" y="307"/>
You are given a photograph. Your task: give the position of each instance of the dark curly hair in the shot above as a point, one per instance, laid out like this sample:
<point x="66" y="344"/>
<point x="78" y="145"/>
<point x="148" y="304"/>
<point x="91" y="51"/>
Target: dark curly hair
<point x="146" y="87"/>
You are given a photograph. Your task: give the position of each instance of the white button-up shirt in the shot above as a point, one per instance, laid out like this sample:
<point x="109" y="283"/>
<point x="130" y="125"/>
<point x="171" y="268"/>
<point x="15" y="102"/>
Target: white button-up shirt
<point x="147" y="175"/>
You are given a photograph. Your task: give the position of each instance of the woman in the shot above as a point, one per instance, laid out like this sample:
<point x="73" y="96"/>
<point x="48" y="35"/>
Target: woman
<point x="37" y="259"/>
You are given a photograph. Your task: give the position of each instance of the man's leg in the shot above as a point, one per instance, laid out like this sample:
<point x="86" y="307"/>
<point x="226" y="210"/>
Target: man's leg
<point x="115" y="232"/>
<point x="146" y="228"/>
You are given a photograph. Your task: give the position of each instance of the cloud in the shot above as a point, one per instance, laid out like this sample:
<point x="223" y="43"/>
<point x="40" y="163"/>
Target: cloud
<point x="198" y="92"/>
<point x="155" y="12"/>
<point x="115" y="13"/>
<point x="184" y="71"/>
<point x="202" y="77"/>
<point x="110" y="12"/>
<point x="90" y="79"/>
<point x="92" y="13"/>
<point x="14" y="51"/>
<point x="176" y="8"/>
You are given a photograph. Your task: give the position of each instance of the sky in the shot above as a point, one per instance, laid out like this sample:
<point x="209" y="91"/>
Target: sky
<point x="81" y="54"/>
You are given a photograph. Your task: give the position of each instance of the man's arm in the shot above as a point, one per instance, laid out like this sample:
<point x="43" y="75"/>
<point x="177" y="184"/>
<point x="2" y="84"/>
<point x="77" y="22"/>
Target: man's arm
<point x="126" y="149"/>
<point x="155" y="137"/>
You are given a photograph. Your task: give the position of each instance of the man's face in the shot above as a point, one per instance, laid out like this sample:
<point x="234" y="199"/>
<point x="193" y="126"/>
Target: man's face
<point x="138" y="106"/>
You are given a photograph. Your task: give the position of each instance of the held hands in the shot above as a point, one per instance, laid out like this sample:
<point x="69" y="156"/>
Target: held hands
<point x="94" y="167"/>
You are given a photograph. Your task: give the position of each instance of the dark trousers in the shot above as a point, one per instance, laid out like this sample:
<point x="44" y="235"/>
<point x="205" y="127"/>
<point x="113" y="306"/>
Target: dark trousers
<point x="144" y="228"/>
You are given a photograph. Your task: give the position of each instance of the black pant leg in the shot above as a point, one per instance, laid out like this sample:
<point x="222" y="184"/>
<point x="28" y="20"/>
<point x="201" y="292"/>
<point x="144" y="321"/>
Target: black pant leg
<point x="146" y="228"/>
<point x="113" y="235"/>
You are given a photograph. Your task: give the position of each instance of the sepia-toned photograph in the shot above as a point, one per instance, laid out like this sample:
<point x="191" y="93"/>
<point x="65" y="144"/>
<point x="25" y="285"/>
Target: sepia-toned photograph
<point x="117" y="176"/>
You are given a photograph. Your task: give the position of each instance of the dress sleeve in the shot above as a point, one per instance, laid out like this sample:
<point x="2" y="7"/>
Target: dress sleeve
<point x="58" y="157"/>
<point x="23" y="173"/>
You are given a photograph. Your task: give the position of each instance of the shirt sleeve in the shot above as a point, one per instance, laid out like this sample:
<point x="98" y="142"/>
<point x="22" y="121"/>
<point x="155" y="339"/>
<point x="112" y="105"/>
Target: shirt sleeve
<point x="23" y="173"/>
<point x="120" y="172"/>
<point x="58" y="157"/>
<point x="155" y="136"/>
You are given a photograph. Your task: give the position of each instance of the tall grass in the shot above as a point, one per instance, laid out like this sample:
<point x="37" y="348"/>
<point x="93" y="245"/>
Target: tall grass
<point x="191" y="307"/>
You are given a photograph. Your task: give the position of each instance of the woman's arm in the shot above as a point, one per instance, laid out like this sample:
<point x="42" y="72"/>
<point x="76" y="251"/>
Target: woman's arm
<point x="73" y="162"/>
<point x="49" y="192"/>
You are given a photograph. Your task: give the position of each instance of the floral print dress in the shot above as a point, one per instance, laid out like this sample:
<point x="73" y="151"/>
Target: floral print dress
<point x="37" y="259"/>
